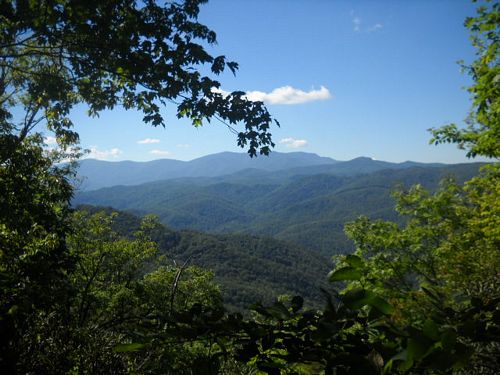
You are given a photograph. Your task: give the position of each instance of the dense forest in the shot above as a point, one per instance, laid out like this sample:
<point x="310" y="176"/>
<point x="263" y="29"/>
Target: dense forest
<point x="91" y="291"/>
<point x="247" y="269"/>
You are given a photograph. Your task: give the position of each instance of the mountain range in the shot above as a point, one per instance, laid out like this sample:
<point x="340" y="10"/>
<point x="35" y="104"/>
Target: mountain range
<point x="95" y="174"/>
<point x="298" y="197"/>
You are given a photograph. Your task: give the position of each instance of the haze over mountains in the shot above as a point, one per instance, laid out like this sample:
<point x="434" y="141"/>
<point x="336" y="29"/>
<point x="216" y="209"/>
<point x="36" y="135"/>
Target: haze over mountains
<point x="297" y="197"/>
<point x="95" y="174"/>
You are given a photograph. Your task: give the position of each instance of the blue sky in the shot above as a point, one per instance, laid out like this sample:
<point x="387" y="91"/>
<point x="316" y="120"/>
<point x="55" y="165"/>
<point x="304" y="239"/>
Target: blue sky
<point x="344" y="78"/>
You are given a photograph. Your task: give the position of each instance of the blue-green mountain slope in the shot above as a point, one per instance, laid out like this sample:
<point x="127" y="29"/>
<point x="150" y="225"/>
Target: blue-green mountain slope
<point x="307" y="209"/>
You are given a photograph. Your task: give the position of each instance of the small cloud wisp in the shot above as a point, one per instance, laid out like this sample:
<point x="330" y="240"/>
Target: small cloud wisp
<point x="148" y="141"/>
<point x="160" y="152"/>
<point x="376" y="27"/>
<point x="356" y="22"/>
<point x="293" y="143"/>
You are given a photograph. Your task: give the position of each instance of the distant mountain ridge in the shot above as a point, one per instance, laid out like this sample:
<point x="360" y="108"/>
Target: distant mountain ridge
<point x="95" y="174"/>
<point x="298" y="205"/>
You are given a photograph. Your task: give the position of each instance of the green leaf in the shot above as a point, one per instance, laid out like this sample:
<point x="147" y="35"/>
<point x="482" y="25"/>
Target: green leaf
<point x="13" y="310"/>
<point x="354" y="261"/>
<point x="357" y="298"/>
<point x="402" y="356"/>
<point x="381" y="305"/>
<point x="416" y="348"/>
<point x="297" y="303"/>
<point x="278" y="311"/>
<point x="431" y="330"/>
<point x="345" y="273"/>
<point x="449" y="339"/>
<point x="125" y="348"/>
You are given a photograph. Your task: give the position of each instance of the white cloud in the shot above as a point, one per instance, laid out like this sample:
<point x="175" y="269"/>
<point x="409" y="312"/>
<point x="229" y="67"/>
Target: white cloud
<point x="376" y="27"/>
<point x="220" y="91"/>
<point x="293" y="143"/>
<point x="285" y="95"/>
<point x="104" y="154"/>
<point x="160" y="152"/>
<point x="50" y="140"/>
<point x="289" y="95"/>
<point x="183" y="145"/>
<point x="356" y="22"/>
<point x="148" y="141"/>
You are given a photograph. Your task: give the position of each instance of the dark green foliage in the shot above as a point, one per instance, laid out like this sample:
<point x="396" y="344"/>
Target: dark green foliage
<point x="247" y="268"/>
<point x="34" y="260"/>
<point x="253" y="269"/>
<point x="290" y="340"/>
<point x="126" y="302"/>
<point x="358" y="333"/>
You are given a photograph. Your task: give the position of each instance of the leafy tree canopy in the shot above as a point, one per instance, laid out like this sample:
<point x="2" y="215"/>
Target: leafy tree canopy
<point x="140" y="55"/>
<point x="34" y="260"/>
<point x="482" y="135"/>
<point x="125" y="303"/>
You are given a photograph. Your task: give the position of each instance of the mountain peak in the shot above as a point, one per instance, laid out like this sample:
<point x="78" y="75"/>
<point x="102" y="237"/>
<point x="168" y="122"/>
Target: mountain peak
<point x="363" y="158"/>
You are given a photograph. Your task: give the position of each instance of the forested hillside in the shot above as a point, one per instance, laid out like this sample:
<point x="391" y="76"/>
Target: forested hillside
<point x="306" y="209"/>
<point x="247" y="268"/>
